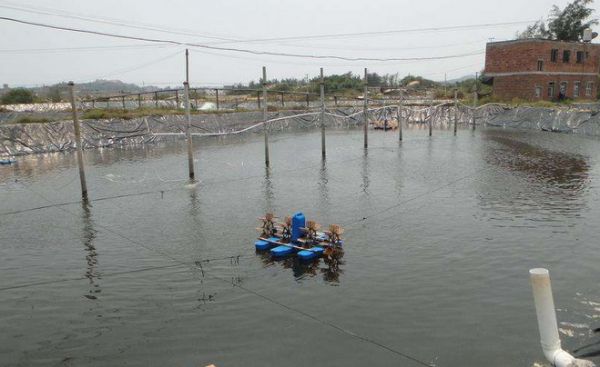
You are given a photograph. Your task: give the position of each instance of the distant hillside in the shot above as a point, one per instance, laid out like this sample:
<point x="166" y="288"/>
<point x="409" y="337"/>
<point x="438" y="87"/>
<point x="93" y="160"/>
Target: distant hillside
<point x="57" y="92"/>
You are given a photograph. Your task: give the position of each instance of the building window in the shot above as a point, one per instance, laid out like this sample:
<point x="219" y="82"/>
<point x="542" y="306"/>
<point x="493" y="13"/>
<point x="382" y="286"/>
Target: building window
<point x="576" y="89"/>
<point x="540" y="65"/>
<point x="566" y="56"/>
<point x="551" y="89"/>
<point x="589" y="87"/>
<point x="579" y="57"/>
<point x="538" y="91"/>
<point x="563" y="90"/>
<point x="554" y="55"/>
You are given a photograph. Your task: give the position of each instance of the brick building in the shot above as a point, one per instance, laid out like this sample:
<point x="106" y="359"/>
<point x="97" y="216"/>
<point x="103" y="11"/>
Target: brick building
<point x="537" y="69"/>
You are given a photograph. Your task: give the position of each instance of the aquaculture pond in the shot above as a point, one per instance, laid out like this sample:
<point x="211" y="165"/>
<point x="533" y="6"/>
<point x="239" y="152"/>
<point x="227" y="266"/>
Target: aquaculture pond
<point x="439" y="236"/>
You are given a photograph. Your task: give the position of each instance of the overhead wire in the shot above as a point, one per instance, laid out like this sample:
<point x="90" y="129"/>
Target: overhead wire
<point x="153" y="27"/>
<point x="240" y="50"/>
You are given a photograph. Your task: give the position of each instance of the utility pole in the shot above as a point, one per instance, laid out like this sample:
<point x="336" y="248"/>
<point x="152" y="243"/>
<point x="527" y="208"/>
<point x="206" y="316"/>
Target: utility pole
<point x="366" y="111"/>
<point x="186" y="87"/>
<point x="187" y="66"/>
<point x="265" y="127"/>
<point x="77" y="130"/>
<point x="188" y="116"/>
<point x="399" y="117"/>
<point x="323" y="152"/>
<point x="455" y="110"/>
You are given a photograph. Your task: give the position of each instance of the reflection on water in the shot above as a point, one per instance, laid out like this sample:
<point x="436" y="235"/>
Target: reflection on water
<point x="558" y="169"/>
<point x="365" y="173"/>
<point x="328" y="266"/>
<point x="268" y="190"/>
<point x="323" y="181"/>
<point x="554" y="181"/>
<point x="91" y="257"/>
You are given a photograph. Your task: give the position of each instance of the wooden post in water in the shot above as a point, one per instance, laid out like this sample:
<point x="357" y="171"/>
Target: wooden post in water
<point x="188" y="116"/>
<point x="322" y="86"/>
<point x="307" y="100"/>
<point x="430" y="117"/>
<point x="282" y="101"/>
<point x="366" y="111"/>
<point x="77" y="131"/>
<point x="93" y="103"/>
<point x="139" y="100"/>
<point x="156" y="99"/>
<point x="123" y="101"/>
<point x="455" y="110"/>
<point x="217" y="96"/>
<point x="176" y="99"/>
<point x="258" y="99"/>
<point x="399" y="117"/>
<point x="265" y="127"/>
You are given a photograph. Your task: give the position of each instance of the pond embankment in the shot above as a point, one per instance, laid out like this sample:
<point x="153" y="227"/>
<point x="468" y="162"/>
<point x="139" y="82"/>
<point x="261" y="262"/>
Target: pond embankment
<point x="31" y="138"/>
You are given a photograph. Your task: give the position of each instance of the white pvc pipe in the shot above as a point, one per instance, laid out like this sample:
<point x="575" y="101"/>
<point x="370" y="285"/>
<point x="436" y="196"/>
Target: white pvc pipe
<point x="546" y="316"/>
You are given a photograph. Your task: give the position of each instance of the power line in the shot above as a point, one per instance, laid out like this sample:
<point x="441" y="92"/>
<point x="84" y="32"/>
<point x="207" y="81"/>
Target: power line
<point x="254" y="52"/>
<point x="71" y="49"/>
<point x="379" y="33"/>
<point x="110" y="21"/>
<point x="130" y="68"/>
<point x="229" y="40"/>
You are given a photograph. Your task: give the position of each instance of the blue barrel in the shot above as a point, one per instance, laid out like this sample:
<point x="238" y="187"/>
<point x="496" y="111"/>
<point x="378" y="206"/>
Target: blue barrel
<point x="298" y="222"/>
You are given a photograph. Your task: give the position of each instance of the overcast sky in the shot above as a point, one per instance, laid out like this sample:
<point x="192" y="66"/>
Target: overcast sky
<point x="35" y="56"/>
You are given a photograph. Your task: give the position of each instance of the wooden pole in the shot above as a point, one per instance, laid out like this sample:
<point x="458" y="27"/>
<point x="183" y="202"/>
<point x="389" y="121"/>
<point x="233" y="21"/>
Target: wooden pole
<point x="282" y="101"/>
<point x="400" y="117"/>
<point x="123" y="101"/>
<point x="188" y="116"/>
<point x="176" y="99"/>
<point x="323" y="149"/>
<point x="455" y="111"/>
<point x="335" y="100"/>
<point x="187" y="68"/>
<point x="156" y="99"/>
<point x="258" y="99"/>
<point x="139" y="100"/>
<point x="430" y="117"/>
<point x="366" y="111"/>
<point x="307" y="100"/>
<point x="196" y="97"/>
<point x="93" y="103"/>
<point x="265" y="127"/>
<point x="217" y="95"/>
<point x="77" y="130"/>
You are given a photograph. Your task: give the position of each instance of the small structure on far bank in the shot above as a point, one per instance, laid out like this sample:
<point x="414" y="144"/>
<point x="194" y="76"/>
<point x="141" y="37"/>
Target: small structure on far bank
<point x="541" y="69"/>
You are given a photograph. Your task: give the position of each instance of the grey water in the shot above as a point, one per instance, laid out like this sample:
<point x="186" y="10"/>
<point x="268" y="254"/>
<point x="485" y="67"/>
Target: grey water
<point x="440" y="235"/>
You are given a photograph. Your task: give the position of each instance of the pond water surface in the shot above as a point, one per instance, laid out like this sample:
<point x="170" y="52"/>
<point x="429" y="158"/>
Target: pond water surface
<point x="440" y="235"/>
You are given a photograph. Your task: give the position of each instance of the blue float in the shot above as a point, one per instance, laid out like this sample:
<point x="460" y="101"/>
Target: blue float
<point x="265" y="244"/>
<point x="310" y="254"/>
<point x="282" y="251"/>
<point x="7" y="161"/>
<point x="262" y="245"/>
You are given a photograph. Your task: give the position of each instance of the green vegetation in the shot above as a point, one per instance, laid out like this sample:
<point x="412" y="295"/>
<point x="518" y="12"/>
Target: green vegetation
<point x="32" y="120"/>
<point x="565" y="24"/>
<point x="18" y="95"/>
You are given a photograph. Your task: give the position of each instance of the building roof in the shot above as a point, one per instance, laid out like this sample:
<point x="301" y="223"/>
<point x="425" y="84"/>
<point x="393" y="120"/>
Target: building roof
<point x="541" y="40"/>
